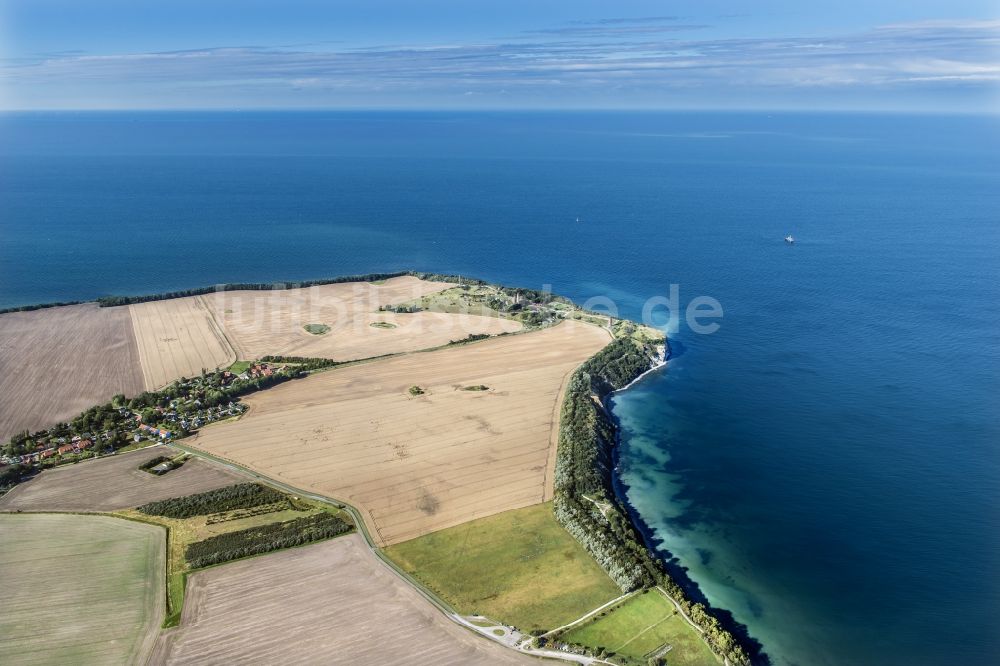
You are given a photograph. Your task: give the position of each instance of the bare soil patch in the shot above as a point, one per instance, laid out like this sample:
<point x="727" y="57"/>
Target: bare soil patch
<point x="57" y="362"/>
<point x="416" y="463"/>
<point x="333" y="602"/>
<point x="114" y="483"/>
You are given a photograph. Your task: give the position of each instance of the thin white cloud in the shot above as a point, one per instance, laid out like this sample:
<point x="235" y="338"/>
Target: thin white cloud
<point x="644" y="66"/>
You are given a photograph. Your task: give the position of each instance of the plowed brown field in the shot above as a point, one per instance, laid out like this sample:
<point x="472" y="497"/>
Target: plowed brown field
<point x="416" y="464"/>
<point x="56" y="362"/>
<point x="114" y="483"/>
<point x="332" y="602"/>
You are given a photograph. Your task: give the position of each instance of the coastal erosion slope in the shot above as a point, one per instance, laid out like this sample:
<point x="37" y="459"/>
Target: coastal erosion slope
<point x="57" y="362"/>
<point x="418" y="442"/>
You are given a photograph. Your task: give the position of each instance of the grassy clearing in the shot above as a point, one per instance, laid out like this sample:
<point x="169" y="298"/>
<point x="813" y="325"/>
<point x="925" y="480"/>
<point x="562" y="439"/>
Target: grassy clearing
<point x="457" y="300"/>
<point x="239" y="367"/>
<point x="79" y="589"/>
<point x="519" y="567"/>
<point x="640" y="628"/>
<point x="590" y="319"/>
<point x="135" y="446"/>
<point x="316" y="329"/>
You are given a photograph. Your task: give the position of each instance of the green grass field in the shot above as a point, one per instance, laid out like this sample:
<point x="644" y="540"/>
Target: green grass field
<point x="79" y="589"/>
<point x="317" y="329"/>
<point x="239" y="367"/>
<point x="519" y="567"/>
<point x="642" y="627"/>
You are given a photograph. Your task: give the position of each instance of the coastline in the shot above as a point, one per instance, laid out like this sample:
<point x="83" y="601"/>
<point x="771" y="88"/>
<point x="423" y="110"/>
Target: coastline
<point x="661" y="552"/>
<point x="585" y="474"/>
<point x="657" y="365"/>
<point x="586" y="451"/>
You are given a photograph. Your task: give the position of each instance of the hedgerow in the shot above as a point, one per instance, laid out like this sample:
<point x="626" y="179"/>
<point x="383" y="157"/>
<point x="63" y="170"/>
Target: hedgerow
<point x="239" y="496"/>
<point x="264" y="539"/>
<point x="303" y="363"/>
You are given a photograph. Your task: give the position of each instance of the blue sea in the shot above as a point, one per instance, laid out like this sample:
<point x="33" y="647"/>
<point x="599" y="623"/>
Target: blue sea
<point x="825" y="466"/>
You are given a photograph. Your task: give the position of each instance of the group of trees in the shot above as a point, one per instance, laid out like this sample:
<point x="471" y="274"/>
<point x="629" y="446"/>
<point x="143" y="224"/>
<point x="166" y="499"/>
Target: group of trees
<point x="303" y="363"/>
<point x="239" y="496"/>
<point x="19" y="444"/>
<point x="12" y="474"/>
<point x="264" y="539"/>
<point x="211" y="390"/>
<point x="585" y="502"/>
<point x="472" y="337"/>
<point x="532" y="295"/>
<point x="37" y="306"/>
<point x="616" y="365"/>
<point x="91" y="422"/>
<point x="111" y="301"/>
<point x="99" y="418"/>
<point x="153" y="462"/>
<point x="225" y="394"/>
<point x="400" y="309"/>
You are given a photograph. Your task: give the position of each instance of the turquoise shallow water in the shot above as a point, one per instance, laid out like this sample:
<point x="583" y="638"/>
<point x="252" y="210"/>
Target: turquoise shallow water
<point x="825" y="466"/>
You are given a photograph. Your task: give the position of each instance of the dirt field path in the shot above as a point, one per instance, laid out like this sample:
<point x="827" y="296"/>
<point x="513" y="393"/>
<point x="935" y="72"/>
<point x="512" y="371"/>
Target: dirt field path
<point x="415" y="464"/>
<point x="57" y="362"/>
<point x="332" y="603"/>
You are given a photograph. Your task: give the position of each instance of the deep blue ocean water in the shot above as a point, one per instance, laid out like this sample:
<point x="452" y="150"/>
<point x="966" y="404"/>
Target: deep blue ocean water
<point x="826" y="466"/>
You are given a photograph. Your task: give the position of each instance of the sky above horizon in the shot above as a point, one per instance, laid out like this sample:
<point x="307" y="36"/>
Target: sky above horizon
<point x="890" y="55"/>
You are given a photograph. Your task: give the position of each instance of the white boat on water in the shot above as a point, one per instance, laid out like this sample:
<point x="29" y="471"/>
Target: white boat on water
<point x="789" y="239"/>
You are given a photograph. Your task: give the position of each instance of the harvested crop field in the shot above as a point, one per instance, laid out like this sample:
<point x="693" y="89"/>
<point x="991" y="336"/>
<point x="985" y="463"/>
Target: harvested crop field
<point x="333" y="602"/>
<point x="178" y="338"/>
<point x="79" y="589"/>
<point x="113" y="483"/>
<point x="56" y="362"/>
<point x="414" y="462"/>
<point x="275" y="322"/>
